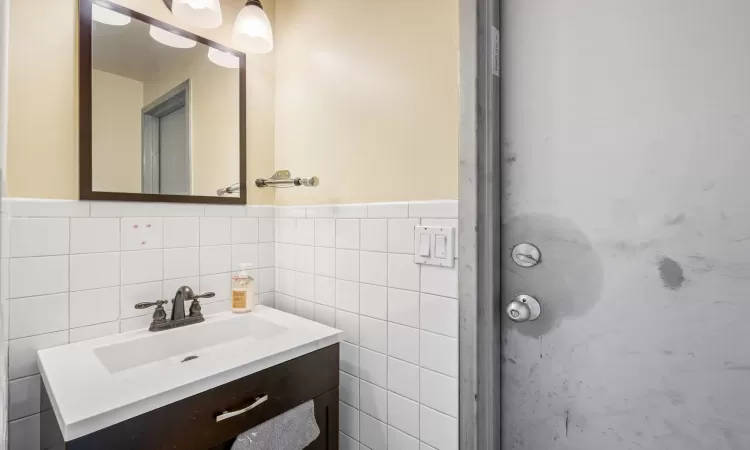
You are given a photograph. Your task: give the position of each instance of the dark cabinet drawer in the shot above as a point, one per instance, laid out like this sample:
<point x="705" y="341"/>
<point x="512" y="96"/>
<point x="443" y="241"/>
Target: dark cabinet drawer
<point x="327" y="417"/>
<point x="190" y="424"/>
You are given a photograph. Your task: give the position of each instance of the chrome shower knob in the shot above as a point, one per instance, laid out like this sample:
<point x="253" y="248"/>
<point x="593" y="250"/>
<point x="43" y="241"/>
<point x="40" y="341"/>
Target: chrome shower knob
<point x="523" y="308"/>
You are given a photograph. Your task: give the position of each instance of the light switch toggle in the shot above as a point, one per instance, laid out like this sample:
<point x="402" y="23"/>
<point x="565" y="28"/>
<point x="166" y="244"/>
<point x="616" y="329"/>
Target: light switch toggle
<point x="440" y="244"/>
<point x="424" y="245"/>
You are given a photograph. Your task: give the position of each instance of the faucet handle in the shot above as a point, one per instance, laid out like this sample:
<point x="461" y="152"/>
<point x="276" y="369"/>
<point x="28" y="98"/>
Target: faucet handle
<point x="195" y="306"/>
<point x="159" y="317"/>
<point x="144" y="305"/>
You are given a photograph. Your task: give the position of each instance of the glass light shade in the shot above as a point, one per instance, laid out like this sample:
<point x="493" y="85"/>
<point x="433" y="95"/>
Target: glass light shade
<point x="252" y="30"/>
<point x="107" y="16"/>
<point x="200" y="13"/>
<point x="223" y="59"/>
<point x="168" y="38"/>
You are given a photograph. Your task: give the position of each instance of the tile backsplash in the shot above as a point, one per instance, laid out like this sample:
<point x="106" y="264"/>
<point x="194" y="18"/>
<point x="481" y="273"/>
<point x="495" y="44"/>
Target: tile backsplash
<point x="77" y="268"/>
<point x="352" y="267"/>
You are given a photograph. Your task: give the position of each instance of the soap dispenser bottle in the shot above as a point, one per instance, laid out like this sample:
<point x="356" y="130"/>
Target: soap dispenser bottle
<point x="242" y="290"/>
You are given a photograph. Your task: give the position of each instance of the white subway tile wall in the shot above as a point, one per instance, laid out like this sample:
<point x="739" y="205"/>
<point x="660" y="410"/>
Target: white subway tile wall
<point x="399" y="363"/>
<point x="76" y="269"/>
<point x="348" y="266"/>
<point x="140" y="233"/>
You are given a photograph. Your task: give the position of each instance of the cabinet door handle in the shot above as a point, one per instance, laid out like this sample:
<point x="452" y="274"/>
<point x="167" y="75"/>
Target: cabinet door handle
<point x="229" y="414"/>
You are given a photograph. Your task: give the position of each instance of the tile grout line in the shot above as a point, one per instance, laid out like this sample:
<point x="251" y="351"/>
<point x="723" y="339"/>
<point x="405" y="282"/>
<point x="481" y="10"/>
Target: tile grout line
<point x="70" y="249"/>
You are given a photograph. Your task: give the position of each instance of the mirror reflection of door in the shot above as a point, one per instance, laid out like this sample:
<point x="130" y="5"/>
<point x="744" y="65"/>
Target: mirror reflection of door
<point x="165" y="111"/>
<point x="166" y="143"/>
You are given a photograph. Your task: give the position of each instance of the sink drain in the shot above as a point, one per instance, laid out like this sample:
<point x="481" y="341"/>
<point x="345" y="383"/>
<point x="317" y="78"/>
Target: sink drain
<point x="189" y="358"/>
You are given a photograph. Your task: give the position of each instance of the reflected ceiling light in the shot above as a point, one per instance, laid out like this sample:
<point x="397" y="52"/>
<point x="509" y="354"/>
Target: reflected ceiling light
<point x="199" y="13"/>
<point x="171" y="39"/>
<point x="107" y="16"/>
<point x="252" y="29"/>
<point x="223" y="59"/>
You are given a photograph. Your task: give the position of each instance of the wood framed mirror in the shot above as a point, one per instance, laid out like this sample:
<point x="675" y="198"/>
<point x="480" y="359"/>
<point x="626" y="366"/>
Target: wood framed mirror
<point x="162" y="111"/>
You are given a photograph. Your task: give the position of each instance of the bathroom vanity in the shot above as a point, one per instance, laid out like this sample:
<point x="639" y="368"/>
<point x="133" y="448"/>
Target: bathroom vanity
<point x="192" y="388"/>
<point x="192" y="382"/>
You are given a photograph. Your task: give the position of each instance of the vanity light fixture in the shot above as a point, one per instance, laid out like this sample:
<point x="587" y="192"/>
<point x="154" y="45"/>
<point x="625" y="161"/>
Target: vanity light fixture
<point x="199" y="13"/>
<point x="223" y="59"/>
<point x="171" y="39"/>
<point x="108" y="16"/>
<point x="252" y="30"/>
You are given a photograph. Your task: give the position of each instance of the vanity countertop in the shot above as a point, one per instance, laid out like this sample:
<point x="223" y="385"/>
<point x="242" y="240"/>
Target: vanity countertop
<point x="89" y="394"/>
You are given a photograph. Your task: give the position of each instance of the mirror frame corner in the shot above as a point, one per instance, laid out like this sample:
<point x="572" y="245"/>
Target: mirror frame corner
<point x="85" y="144"/>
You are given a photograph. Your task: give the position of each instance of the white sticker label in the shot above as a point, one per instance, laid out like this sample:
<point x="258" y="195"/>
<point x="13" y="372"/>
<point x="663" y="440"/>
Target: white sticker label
<point x="496" y="51"/>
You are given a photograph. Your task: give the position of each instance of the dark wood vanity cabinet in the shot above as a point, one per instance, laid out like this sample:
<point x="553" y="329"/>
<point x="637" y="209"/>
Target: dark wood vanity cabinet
<point x="190" y="424"/>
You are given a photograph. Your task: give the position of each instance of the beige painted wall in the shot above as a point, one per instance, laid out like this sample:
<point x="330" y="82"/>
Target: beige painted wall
<point x="116" y="132"/>
<point x="43" y="98"/>
<point x="362" y="93"/>
<point x="367" y="99"/>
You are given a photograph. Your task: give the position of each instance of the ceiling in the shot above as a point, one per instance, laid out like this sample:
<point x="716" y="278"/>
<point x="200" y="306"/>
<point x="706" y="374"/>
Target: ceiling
<point x="129" y="51"/>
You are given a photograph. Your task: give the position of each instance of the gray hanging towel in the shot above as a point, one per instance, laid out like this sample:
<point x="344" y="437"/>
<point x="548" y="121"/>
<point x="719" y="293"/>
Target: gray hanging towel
<point x="293" y="430"/>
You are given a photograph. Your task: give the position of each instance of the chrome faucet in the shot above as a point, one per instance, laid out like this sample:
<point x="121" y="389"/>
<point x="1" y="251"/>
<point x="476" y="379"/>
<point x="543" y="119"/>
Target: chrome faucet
<point x="159" y="319"/>
<point x="178" y="303"/>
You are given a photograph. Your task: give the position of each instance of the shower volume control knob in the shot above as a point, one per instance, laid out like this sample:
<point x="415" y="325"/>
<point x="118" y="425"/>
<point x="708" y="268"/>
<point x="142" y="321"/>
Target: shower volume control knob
<point x="523" y="308"/>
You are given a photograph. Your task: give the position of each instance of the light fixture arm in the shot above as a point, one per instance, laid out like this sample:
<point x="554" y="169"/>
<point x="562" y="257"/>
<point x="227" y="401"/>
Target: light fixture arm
<point x="200" y="14"/>
<point x="168" y="3"/>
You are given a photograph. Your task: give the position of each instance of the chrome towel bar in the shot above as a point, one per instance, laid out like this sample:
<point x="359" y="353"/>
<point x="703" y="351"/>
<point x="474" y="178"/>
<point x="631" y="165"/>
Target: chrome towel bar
<point x="283" y="178"/>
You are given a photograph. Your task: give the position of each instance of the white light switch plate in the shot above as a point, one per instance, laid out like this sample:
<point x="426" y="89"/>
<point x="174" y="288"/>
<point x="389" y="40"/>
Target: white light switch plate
<point x="438" y="255"/>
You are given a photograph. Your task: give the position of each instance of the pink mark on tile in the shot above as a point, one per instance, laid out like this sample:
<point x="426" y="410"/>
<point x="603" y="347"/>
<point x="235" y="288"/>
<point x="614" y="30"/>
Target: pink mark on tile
<point x="135" y="226"/>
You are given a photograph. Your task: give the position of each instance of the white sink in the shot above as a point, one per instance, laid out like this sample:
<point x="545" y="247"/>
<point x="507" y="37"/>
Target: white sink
<point x="180" y="342"/>
<point x="98" y="383"/>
